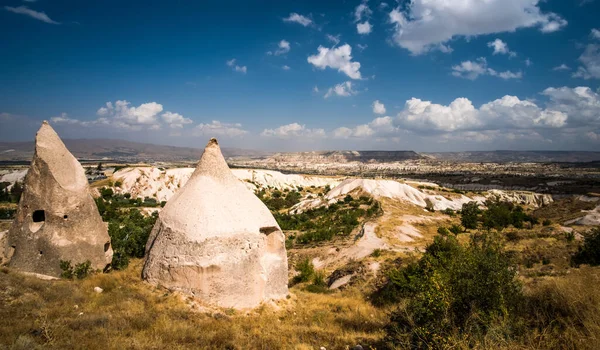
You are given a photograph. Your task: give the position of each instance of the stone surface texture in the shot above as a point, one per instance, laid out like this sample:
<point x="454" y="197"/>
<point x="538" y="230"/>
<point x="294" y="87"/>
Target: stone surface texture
<point x="57" y="218"/>
<point x="217" y="241"/>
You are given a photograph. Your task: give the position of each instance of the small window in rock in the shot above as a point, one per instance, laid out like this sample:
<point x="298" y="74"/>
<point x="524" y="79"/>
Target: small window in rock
<point x="65" y="216"/>
<point x="41" y="252"/>
<point x="39" y="216"/>
<point x="106" y="246"/>
<point x="268" y="229"/>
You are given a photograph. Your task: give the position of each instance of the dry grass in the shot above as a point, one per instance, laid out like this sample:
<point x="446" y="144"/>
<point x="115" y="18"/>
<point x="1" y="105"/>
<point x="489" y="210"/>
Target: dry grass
<point x="134" y="315"/>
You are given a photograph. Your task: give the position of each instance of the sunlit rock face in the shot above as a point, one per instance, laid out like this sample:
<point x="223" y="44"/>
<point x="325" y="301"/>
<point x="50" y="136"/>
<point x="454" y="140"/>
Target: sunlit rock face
<point x="217" y="241"/>
<point x="57" y="218"/>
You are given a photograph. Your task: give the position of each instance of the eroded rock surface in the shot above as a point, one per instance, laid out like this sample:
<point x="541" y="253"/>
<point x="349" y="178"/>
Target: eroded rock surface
<point x="57" y="218"/>
<point x="217" y="241"/>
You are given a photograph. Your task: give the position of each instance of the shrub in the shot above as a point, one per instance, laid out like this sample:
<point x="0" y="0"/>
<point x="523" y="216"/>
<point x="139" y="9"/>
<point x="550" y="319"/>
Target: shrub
<point x="589" y="252"/>
<point x="443" y="231"/>
<point x="547" y="222"/>
<point x="469" y="215"/>
<point x="306" y="271"/>
<point x="79" y="271"/>
<point x="106" y="192"/>
<point x="451" y="288"/>
<point x="456" y="229"/>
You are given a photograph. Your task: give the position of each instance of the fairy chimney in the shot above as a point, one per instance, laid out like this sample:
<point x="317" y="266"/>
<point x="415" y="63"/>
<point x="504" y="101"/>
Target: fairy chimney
<point x="217" y="241"/>
<point x="57" y="218"/>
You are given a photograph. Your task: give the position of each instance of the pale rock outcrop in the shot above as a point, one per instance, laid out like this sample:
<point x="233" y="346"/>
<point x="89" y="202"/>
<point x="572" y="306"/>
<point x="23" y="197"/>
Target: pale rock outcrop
<point x="57" y="218"/>
<point x="522" y="197"/>
<point x="217" y="241"/>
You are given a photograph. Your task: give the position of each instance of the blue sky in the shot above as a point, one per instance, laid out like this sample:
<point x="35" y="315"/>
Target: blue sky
<point x="434" y="75"/>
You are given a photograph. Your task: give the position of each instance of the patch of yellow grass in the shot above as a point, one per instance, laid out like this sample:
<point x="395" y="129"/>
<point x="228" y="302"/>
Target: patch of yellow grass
<point x="134" y="315"/>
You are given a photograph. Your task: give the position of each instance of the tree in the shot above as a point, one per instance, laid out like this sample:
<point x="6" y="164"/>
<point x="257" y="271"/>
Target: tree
<point x="470" y="212"/>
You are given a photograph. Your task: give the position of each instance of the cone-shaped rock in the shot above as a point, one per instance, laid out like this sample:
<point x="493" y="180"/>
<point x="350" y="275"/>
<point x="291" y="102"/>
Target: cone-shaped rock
<point x="217" y="241"/>
<point x="57" y="217"/>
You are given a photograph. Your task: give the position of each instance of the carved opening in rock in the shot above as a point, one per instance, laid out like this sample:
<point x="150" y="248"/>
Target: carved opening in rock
<point x="65" y="216"/>
<point x="106" y="246"/>
<point x="268" y="229"/>
<point x="41" y="252"/>
<point x="39" y="216"/>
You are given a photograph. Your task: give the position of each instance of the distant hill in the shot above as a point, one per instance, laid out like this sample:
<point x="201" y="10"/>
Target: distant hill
<point x="517" y="156"/>
<point x="345" y="156"/>
<point x="118" y="150"/>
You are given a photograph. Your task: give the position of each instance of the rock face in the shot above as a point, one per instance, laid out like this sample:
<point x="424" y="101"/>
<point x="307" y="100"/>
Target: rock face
<point x="217" y="241"/>
<point x="57" y="217"/>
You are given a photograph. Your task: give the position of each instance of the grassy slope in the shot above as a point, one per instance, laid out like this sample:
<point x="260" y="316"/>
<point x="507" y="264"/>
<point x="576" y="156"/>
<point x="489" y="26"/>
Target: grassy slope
<point x="132" y="314"/>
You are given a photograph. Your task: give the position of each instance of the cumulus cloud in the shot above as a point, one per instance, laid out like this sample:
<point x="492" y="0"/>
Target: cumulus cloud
<point x="473" y="69"/>
<point x="426" y="24"/>
<point x="595" y="34"/>
<point x="378" y="107"/>
<point x="562" y="67"/>
<point x="501" y="48"/>
<point x="283" y="48"/>
<point x="24" y="10"/>
<point x="590" y="63"/>
<point x="175" y="120"/>
<point x="361" y="11"/>
<point x="296" y="18"/>
<point x="581" y="104"/>
<point x="339" y="58"/>
<point x="217" y="128"/>
<point x="343" y="89"/>
<point x="364" y="28"/>
<point x="293" y="130"/>
<point x="379" y="129"/>
<point x="122" y="114"/>
<point x="235" y="67"/>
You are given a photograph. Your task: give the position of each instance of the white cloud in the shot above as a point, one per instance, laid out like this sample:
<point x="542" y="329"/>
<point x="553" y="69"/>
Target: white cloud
<point x="316" y="89"/>
<point x="378" y="107"/>
<point x="506" y="113"/>
<point x="425" y="24"/>
<point x="528" y="62"/>
<point x="362" y="47"/>
<point x="473" y="69"/>
<point x="595" y="34"/>
<point x="285" y="67"/>
<point x="561" y="67"/>
<point x="283" y="48"/>
<point x="343" y="89"/>
<point x="235" y="67"/>
<point x="364" y="28"/>
<point x="175" y="120"/>
<point x="293" y="130"/>
<point x="581" y="104"/>
<point x="122" y="114"/>
<point x="379" y="128"/>
<point x="339" y="58"/>
<point x="24" y="10"/>
<point x="500" y="47"/>
<point x="64" y="119"/>
<point x="335" y="39"/>
<point x="590" y="60"/>
<point x="361" y="11"/>
<point x="296" y="18"/>
<point x="216" y="128"/>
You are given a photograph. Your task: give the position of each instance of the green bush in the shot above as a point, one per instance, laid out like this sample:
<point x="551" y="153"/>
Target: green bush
<point x="589" y="252"/>
<point x="129" y="233"/>
<point x="451" y="288"/>
<point x="456" y="229"/>
<point x="79" y="271"/>
<point x="469" y="215"/>
<point x="306" y="271"/>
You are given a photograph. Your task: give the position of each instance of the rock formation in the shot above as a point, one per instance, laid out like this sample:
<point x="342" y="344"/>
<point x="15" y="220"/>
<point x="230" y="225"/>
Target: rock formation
<point x="57" y="218"/>
<point x="217" y="241"/>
